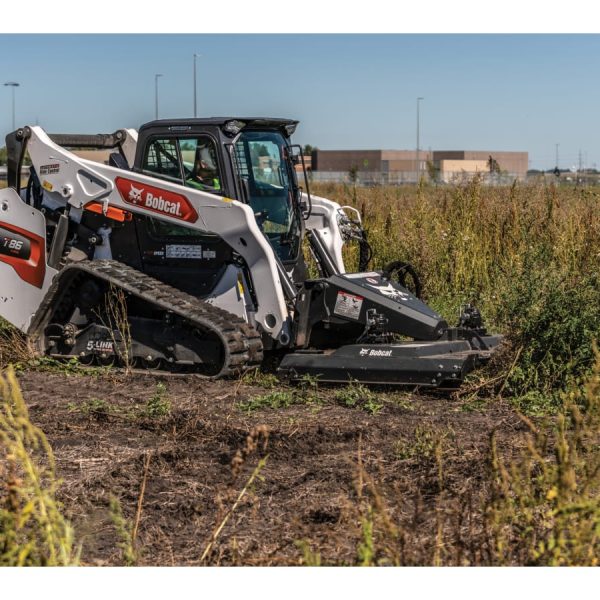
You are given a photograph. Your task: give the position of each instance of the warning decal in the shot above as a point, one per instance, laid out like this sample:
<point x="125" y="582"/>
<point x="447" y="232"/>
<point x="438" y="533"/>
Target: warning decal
<point x="348" y="305"/>
<point x="183" y="251"/>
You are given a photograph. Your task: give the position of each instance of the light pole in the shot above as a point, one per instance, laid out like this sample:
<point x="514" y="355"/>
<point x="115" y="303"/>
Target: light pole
<point x="13" y="85"/>
<point x="195" y="101"/>
<point x="418" y="166"/>
<point x="156" y="93"/>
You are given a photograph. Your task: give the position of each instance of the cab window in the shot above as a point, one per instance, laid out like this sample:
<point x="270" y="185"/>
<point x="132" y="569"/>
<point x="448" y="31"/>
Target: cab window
<point x="162" y="160"/>
<point x="191" y="162"/>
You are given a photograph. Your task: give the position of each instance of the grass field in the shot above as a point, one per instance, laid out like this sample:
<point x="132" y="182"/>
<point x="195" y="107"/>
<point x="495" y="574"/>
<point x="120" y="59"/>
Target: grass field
<point x="176" y="470"/>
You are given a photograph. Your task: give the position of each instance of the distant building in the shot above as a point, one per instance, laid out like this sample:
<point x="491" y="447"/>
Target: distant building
<point x="451" y="163"/>
<point x="400" y="166"/>
<point x="369" y="161"/>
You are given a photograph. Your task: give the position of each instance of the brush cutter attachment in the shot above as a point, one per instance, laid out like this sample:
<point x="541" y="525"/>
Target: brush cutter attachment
<point x="368" y="314"/>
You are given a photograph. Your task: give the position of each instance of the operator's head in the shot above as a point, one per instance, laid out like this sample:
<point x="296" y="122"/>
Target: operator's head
<point x="205" y="164"/>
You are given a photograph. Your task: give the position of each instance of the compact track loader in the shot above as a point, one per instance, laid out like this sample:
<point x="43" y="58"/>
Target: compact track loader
<point x="185" y="252"/>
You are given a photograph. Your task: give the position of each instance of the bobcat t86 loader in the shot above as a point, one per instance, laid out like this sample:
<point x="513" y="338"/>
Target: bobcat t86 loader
<point x="185" y="252"/>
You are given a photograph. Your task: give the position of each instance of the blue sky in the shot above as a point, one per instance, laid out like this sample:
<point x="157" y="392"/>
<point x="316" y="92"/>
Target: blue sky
<point x="489" y="92"/>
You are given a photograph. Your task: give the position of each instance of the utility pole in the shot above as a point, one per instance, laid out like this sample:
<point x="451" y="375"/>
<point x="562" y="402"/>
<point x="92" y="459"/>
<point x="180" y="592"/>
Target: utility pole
<point x="557" y="156"/>
<point x="417" y="164"/>
<point x="195" y="88"/>
<point x="13" y="85"/>
<point x="156" y="94"/>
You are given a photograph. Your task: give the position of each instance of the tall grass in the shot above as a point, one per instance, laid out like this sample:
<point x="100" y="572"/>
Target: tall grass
<point x="527" y="256"/>
<point x="546" y="511"/>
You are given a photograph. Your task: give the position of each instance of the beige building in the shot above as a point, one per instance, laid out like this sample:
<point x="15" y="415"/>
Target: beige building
<point x="451" y="163"/>
<point x="399" y="166"/>
<point x="385" y="161"/>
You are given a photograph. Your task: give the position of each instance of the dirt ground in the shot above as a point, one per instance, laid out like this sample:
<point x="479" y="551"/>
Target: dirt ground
<point x="340" y="485"/>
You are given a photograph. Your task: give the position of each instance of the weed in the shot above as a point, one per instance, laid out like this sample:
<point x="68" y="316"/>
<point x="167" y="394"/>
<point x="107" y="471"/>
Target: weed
<point x="67" y="367"/>
<point x="124" y="531"/>
<point x="427" y="443"/>
<point x="13" y="346"/>
<point x="309" y="558"/>
<point x="275" y="399"/>
<point x="117" y="322"/>
<point x="94" y="407"/>
<point x="402" y="400"/>
<point x="366" y="547"/>
<point x="358" y="395"/>
<point x="474" y="404"/>
<point x="309" y="389"/>
<point x="33" y="530"/>
<point x="158" y="405"/>
<point x="258" y="377"/>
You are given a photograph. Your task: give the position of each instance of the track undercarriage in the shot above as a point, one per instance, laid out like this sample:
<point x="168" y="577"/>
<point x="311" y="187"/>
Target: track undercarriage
<point x="105" y="312"/>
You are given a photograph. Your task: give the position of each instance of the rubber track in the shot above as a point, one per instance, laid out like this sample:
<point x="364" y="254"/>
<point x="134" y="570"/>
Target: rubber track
<point x="242" y="342"/>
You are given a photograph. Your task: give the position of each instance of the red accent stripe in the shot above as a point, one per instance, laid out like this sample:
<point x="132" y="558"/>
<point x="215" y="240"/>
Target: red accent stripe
<point x="32" y="270"/>
<point x="157" y="200"/>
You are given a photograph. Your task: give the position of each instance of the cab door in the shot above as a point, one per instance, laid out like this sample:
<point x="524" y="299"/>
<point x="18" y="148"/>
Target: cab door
<point x="182" y="257"/>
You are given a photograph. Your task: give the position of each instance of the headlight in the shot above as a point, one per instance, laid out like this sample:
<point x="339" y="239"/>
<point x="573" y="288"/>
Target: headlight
<point x="232" y="128"/>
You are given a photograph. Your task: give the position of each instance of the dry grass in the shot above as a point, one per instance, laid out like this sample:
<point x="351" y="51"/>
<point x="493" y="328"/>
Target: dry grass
<point x="33" y="530"/>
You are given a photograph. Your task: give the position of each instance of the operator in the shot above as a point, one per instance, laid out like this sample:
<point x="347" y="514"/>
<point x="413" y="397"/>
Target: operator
<point x="205" y="175"/>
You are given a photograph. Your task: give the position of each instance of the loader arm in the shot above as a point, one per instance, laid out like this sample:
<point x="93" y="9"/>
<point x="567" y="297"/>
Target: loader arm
<point x="330" y="227"/>
<point x="77" y="183"/>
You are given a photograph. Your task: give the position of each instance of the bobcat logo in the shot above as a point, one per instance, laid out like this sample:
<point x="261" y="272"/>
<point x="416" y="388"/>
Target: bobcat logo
<point x="390" y="291"/>
<point x="135" y="194"/>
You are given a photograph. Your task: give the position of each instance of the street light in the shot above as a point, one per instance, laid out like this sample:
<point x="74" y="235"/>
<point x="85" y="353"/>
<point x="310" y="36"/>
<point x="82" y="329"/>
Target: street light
<point x="156" y="93"/>
<point x="13" y="85"/>
<point x="418" y="166"/>
<point x="195" y="106"/>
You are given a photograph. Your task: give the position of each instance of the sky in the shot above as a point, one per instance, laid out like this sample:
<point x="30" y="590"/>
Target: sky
<point x="349" y="91"/>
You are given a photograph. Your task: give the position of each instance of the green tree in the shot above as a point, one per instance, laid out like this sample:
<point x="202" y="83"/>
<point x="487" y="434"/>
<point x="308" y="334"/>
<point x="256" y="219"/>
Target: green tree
<point x="432" y="171"/>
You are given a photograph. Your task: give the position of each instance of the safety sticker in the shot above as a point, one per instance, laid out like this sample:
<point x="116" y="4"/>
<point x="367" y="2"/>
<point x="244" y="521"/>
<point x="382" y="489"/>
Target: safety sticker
<point x="50" y="169"/>
<point x="181" y="251"/>
<point x="348" y="305"/>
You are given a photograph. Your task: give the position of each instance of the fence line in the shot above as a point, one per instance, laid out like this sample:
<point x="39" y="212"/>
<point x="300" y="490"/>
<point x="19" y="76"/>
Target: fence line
<point x="406" y="177"/>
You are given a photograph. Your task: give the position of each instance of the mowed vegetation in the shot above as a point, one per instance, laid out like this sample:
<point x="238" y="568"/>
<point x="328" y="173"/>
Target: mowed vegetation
<point x="528" y="257"/>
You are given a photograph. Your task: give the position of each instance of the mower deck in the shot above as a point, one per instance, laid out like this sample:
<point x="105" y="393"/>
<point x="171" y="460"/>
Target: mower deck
<point x="440" y="364"/>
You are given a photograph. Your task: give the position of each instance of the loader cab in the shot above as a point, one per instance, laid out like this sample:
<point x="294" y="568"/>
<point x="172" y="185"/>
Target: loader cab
<point x="248" y="159"/>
